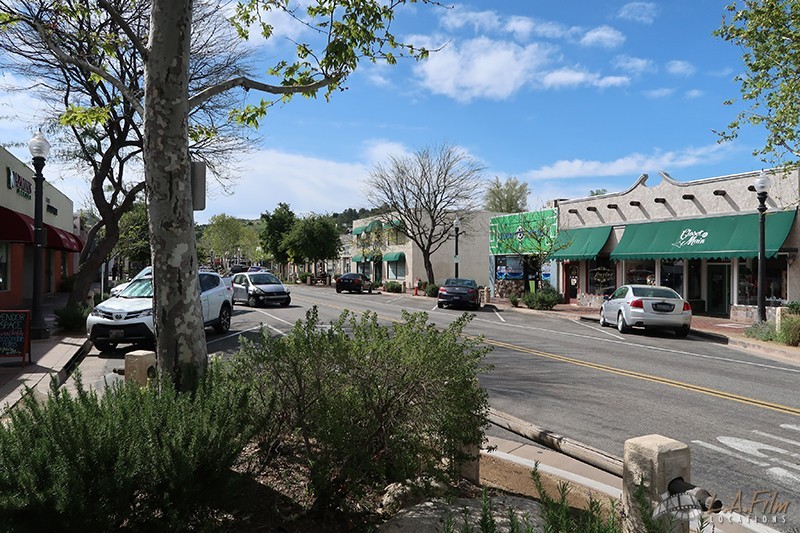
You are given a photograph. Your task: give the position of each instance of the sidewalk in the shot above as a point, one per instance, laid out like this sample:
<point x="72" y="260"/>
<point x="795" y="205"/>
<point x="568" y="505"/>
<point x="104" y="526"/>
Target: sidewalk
<point x="504" y="463"/>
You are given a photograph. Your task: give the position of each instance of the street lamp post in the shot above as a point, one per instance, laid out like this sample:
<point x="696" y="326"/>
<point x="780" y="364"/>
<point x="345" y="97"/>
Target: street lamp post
<point x="761" y="186"/>
<point x="457" y="226"/>
<point x="40" y="149"/>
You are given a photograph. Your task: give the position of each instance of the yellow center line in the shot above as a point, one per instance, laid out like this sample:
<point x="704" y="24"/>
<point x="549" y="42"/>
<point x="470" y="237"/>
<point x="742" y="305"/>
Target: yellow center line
<point x="628" y="373"/>
<point x="649" y="377"/>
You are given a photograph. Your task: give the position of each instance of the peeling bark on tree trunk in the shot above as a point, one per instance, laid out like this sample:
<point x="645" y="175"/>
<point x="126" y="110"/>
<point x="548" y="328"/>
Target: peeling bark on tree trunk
<point x="177" y="315"/>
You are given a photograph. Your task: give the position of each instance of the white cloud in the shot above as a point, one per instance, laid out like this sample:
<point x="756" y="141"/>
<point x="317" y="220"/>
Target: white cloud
<point x="603" y="36"/>
<point x="480" y="68"/>
<point x="644" y="12"/>
<point x="521" y="27"/>
<point x="659" y="93"/>
<point x="571" y="77"/>
<point x="633" y="164"/>
<point x="680" y="68"/>
<point x="459" y="17"/>
<point x="633" y="65"/>
<point x="693" y="93"/>
<point x="308" y="184"/>
<point x="379" y="150"/>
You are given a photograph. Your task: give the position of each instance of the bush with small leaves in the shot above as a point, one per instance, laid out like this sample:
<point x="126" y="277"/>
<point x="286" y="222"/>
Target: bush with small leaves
<point x="369" y="404"/>
<point x="393" y="286"/>
<point x="543" y="299"/>
<point x="790" y="330"/>
<point x="762" y="331"/>
<point x="72" y="317"/>
<point x="793" y="307"/>
<point x="431" y="290"/>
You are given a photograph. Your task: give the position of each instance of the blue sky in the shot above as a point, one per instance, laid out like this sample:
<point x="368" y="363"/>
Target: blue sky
<point x="566" y="96"/>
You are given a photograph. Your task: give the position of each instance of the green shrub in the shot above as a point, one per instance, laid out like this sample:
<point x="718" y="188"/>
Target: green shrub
<point x="762" y="331"/>
<point x="134" y="458"/>
<point x="513" y="299"/>
<point x="543" y="299"/>
<point x="431" y="290"/>
<point x="793" y="307"/>
<point x="353" y="395"/>
<point x="101" y="297"/>
<point x="303" y="277"/>
<point x="72" y="317"/>
<point x="790" y="330"/>
<point x="393" y="286"/>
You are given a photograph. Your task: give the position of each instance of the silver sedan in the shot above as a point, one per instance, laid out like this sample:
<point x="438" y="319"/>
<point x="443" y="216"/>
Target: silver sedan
<point x="646" y="306"/>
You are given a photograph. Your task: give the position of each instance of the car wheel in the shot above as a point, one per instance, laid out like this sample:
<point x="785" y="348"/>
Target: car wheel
<point x="603" y="322"/>
<point x="476" y="307"/>
<point x="338" y="290"/>
<point x="440" y="305"/>
<point x="104" y="346"/>
<point x="224" y="323"/>
<point x="286" y="302"/>
<point x="682" y="332"/>
<point x="369" y="290"/>
<point x="622" y="326"/>
<point x="252" y="302"/>
<point x="360" y="290"/>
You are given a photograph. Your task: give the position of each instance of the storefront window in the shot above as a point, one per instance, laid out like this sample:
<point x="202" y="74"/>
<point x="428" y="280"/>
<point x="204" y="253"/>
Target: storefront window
<point x="775" y="290"/>
<point x="694" y="279"/>
<point x="509" y="267"/>
<point x="4" y="267"/>
<point x="396" y="269"/>
<point x="640" y="272"/>
<point x="601" y="277"/>
<point x="672" y="275"/>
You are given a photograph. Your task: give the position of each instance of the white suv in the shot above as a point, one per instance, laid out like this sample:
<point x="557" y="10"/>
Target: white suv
<point x="128" y="317"/>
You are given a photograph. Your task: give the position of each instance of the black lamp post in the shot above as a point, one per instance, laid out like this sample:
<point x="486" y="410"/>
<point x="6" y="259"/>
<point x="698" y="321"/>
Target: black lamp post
<point x="40" y="149"/>
<point x="761" y="185"/>
<point x="457" y="226"/>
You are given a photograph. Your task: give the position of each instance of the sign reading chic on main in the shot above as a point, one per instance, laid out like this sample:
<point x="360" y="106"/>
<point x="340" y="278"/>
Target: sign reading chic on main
<point x="16" y="182"/>
<point x="690" y="237"/>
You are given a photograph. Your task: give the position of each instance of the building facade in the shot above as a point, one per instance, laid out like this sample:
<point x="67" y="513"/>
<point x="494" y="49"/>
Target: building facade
<point x="699" y="238"/>
<point x="17" y="213"/>
<point x="378" y="249"/>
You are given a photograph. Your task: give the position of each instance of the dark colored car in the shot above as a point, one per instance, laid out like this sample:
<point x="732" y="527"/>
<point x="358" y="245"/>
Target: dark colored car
<point x="353" y="282"/>
<point x="235" y="269"/>
<point x="459" y="292"/>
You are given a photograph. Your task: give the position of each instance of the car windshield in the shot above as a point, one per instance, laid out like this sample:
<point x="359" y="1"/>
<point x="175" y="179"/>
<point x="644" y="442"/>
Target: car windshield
<point x="654" y="292"/>
<point x="146" y="271"/>
<point x="140" y="288"/>
<point x="264" y="279"/>
<point x="461" y="282"/>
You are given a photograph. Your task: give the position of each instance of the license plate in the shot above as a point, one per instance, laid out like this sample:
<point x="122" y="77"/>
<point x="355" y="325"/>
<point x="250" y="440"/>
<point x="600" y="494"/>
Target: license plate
<point x="665" y="307"/>
<point x="116" y="334"/>
<point x="456" y="297"/>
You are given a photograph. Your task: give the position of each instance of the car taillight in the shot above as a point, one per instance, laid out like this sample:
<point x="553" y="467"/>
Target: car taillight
<point x="638" y="304"/>
<point x="687" y="306"/>
<point x="442" y="290"/>
<point x="471" y="291"/>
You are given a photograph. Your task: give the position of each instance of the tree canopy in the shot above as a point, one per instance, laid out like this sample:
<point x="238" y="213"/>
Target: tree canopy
<point x="767" y="32"/>
<point x="422" y="194"/>
<point x="510" y="196"/>
<point x="313" y="238"/>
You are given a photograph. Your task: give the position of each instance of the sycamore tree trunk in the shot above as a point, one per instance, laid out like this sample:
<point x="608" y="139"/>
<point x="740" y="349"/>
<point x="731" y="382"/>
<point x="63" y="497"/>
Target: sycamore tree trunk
<point x="426" y="260"/>
<point x="181" y="347"/>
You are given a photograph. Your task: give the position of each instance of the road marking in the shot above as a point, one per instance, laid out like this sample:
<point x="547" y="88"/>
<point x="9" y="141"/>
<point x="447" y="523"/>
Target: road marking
<point x="729" y="453"/>
<point x="234" y="334"/>
<point x="601" y="329"/>
<point x="498" y="315"/>
<point x="790" y="426"/>
<point x="781" y="439"/>
<point x="649" y="377"/>
<point x="275" y="317"/>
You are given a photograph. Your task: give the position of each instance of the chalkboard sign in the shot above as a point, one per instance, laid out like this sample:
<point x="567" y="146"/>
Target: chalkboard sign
<point x="15" y="334"/>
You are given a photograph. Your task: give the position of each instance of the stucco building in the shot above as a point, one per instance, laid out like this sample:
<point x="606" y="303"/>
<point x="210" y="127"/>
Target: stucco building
<point x="698" y="237"/>
<point x="17" y="235"/>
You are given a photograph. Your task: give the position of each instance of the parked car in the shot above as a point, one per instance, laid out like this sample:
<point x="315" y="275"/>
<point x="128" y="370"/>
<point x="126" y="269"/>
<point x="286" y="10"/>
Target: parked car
<point x="146" y="271"/>
<point x="256" y="268"/>
<point x="259" y="288"/>
<point x="459" y="292"/>
<point x="128" y="317"/>
<point x="647" y="306"/>
<point x="235" y="269"/>
<point x="353" y="282"/>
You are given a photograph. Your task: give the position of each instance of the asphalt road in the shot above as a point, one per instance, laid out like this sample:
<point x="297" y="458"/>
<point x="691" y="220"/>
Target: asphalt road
<point x="739" y="413"/>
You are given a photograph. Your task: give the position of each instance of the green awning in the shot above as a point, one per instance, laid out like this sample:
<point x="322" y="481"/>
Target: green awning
<point x="394" y="256"/>
<point x="725" y="237"/>
<point x="358" y="230"/>
<point x="393" y="224"/>
<point x="358" y="258"/>
<point x="372" y="226"/>
<point x="580" y="243"/>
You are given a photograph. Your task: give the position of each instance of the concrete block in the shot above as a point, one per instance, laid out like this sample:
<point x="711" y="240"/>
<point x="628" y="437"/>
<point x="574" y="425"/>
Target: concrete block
<point x="140" y="367"/>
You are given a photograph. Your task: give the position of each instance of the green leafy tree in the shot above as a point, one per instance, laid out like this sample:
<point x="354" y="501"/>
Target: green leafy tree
<point x="223" y="237"/>
<point x="597" y="192"/>
<point x="767" y="32"/>
<point x="313" y="238"/>
<point x="510" y="196"/>
<point x="276" y="226"/>
<point x="134" y="235"/>
<point x="344" y="33"/>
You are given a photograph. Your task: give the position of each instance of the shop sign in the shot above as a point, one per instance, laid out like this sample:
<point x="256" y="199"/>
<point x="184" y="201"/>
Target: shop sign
<point x="690" y="237"/>
<point x="16" y="182"/>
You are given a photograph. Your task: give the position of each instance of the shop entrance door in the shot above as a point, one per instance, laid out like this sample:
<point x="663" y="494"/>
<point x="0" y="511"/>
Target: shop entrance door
<point x="719" y="289"/>
<point x="570" y="282"/>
